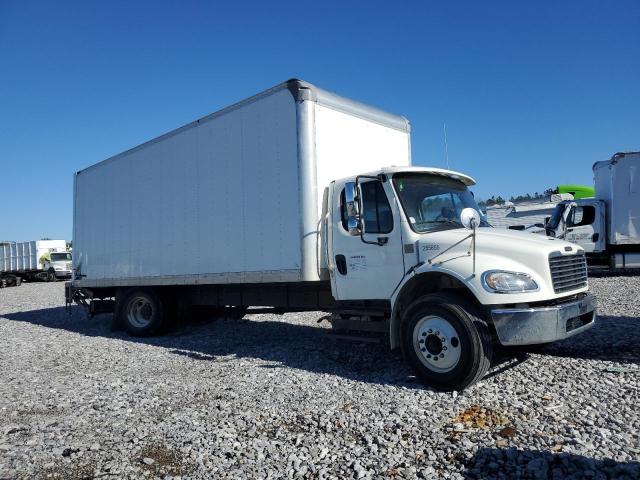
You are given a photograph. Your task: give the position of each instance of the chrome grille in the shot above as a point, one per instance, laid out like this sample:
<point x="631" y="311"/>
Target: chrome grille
<point x="568" y="272"/>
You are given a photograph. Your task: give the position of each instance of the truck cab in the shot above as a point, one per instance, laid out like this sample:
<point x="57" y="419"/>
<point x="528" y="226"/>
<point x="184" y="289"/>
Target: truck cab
<point x="582" y="222"/>
<point x="57" y="265"/>
<point x="415" y="237"/>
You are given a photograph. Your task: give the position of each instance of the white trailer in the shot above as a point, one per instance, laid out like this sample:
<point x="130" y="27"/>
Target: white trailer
<point x="284" y="201"/>
<point x="38" y="259"/>
<point x="607" y="226"/>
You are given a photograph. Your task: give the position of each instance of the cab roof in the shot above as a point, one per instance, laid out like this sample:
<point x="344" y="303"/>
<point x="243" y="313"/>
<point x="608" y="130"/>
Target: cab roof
<point x="467" y="180"/>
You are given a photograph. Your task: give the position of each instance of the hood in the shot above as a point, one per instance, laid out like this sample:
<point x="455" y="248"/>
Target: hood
<point x="496" y="249"/>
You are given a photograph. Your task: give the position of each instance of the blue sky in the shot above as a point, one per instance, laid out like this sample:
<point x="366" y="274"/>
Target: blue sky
<point x="532" y="93"/>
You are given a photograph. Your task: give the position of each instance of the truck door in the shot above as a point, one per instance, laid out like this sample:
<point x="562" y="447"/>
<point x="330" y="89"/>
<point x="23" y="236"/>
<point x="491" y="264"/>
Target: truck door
<point x="585" y="226"/>
<point x="359" y="270"/>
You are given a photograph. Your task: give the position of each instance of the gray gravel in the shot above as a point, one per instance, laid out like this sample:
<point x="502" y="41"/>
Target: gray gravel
<point x="280" y="397"/>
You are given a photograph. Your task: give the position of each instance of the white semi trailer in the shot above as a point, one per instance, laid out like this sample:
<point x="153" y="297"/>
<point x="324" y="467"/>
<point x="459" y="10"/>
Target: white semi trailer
<point x="38" y="259"/>
<point x="284" y="201"/>
<point x="607" y="226"/>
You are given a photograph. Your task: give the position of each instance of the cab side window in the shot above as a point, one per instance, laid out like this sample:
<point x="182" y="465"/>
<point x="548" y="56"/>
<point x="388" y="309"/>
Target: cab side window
<point x="376" y="210"/>
<point x="581" y="216"/>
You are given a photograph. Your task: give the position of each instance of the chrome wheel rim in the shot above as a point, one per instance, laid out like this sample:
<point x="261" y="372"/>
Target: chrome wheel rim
<point x="140" y="312"/>
<point x="437" y="343"/>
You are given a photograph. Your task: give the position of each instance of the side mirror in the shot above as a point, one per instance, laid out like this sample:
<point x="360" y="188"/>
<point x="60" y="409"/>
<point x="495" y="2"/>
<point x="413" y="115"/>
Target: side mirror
<point x="353" y="213"/>
<point x="470" y="218"/>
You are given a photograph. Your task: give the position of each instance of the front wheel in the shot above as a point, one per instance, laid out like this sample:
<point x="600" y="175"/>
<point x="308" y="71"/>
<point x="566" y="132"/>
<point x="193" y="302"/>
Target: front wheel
<point x="445" y="342"/>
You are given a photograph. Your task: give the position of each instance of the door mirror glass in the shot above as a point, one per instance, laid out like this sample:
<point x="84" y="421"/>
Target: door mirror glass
<point x="353" y="211"/>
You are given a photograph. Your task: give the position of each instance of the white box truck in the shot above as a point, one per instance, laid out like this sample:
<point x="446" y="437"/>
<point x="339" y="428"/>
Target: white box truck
<point x="38" y="259"/>
<point x="607" y="226"/>
<point x="285" y="200"/>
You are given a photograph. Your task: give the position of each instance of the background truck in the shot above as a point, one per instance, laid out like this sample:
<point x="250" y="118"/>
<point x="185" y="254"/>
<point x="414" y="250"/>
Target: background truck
<point x="38" y="259"/>
<point x="607" y="226"/>
<point x="283" y="201"/>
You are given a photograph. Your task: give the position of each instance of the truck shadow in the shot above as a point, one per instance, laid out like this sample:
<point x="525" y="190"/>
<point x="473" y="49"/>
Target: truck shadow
<point x="278" y="344"/>
<point x="313" y="348"/>
<point x="612" y="338"/>
<point x="514" y="463"/>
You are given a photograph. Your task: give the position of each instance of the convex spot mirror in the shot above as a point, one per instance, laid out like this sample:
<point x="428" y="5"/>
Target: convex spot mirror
<point x="470" y="218"/>
<point x="354" y="224"/>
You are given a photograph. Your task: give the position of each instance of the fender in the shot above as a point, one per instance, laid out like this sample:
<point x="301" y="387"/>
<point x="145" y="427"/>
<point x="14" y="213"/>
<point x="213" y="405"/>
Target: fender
<point x="419" y="281"/>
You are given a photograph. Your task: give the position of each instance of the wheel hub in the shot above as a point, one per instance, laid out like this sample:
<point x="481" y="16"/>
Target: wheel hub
<point x="437" y="344"/>
<point x="433" y="344"/>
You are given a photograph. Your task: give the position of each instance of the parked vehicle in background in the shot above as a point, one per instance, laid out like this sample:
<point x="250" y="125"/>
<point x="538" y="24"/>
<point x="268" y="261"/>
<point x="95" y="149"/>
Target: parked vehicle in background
<point x="282" y="201"/>
<point x="525" y="215"/>
<point x="607" y="227"/>
<point x="36" y="260"/>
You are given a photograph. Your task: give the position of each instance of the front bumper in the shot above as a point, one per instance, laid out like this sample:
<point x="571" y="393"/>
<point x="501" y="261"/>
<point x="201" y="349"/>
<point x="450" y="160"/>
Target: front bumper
<point x="63" y="273"/>
<point x="528" y="326"/>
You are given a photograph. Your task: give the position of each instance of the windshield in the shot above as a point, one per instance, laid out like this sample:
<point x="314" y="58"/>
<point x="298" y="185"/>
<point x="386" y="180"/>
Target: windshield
<point x="554" y="221"/>
<point x="61" y="257"/>
<point x="432" y="202"/>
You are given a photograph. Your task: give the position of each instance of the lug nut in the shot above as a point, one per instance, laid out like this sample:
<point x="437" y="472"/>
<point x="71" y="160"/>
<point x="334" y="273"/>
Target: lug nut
<point x="442" y="355"/>
<point x="444" y="348"/>
<point x="430" y="331"/>
<point x="422" y="340"/>
<point x="424" y="334"/>
<point x="423" y="349"/>
<point x="435" y="357"/>
<point x="428" y="356"/>
<point x="437" y="332"/>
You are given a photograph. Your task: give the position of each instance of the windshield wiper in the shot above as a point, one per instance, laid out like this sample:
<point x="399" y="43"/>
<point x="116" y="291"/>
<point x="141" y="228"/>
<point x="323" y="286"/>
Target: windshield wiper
<point x="443" y="221"/>
<point x="440" y="222"/>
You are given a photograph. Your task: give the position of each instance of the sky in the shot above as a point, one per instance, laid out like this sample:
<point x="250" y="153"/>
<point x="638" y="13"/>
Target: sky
<point x="532" y="93"/>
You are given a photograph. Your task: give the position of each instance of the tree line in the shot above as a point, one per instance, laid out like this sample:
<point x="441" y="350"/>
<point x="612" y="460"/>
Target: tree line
<point x="527" y="197"/>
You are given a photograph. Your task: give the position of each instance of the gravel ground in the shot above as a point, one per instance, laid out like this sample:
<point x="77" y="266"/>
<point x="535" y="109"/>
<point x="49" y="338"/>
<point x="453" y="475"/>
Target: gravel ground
<point x="272" y="396"/>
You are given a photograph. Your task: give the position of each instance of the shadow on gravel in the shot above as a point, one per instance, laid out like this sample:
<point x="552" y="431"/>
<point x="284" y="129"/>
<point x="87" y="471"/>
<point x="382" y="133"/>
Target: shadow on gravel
<point x="278" y="344"/>
<point x="514" y="463"/>
<point x="615" y="339"/>
<point x="311" y="348"/>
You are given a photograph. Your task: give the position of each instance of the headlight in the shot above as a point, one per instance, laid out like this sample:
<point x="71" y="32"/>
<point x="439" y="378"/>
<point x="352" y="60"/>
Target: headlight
<point x="496" y="281"/>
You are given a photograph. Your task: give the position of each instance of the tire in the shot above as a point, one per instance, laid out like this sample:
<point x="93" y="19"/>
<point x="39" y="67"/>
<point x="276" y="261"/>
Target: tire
<point x="51" y="276"/>
<point x="445" y="342"/>
<point x="141" y="312"/>
<point x="18" y="281"/>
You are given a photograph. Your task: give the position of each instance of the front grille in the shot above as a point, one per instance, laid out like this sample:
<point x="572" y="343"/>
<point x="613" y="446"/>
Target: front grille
<point x="568" y="272"/>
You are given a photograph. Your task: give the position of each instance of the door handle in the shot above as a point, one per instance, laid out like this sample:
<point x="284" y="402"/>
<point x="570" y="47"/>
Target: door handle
<point x="341" y="264"/>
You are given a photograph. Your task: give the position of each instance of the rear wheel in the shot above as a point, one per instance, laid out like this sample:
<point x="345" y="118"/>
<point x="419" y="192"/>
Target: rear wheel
<point x="445" y="342"/>
<point x="141" y="312"/>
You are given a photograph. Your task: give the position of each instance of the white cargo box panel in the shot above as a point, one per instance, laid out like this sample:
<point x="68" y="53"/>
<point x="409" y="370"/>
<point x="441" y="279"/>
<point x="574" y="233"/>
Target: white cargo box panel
<point x="235" y="197"/>
<point x="617" y="182"/>
<point x="27" y="256"/>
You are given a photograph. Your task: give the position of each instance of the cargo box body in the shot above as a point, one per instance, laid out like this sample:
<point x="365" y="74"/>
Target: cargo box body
<point x="22" y="257"/>
<point x="235" y="197"/>
<point x="617" y="183"/>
